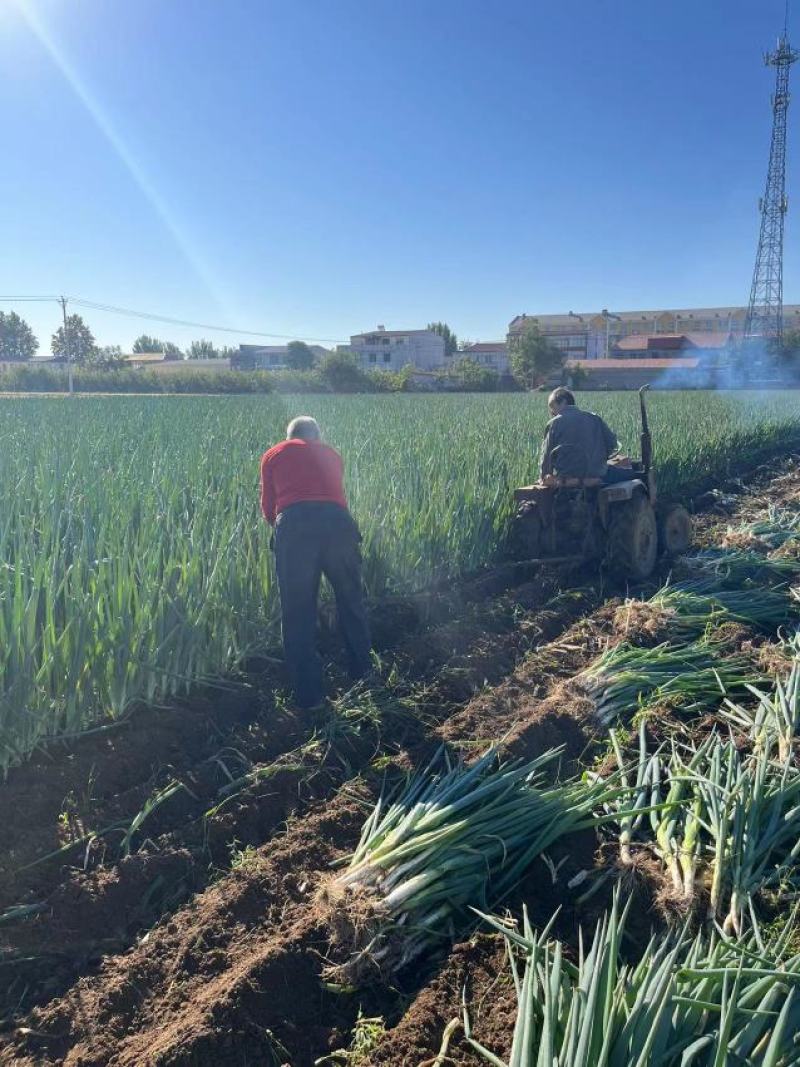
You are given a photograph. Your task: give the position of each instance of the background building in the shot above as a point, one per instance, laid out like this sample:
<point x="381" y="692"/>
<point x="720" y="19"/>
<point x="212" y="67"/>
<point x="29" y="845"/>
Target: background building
<point x="385" y="349"/>
<point x="492" y="354"/>
<point x="593" y="335"/>
<point x="268" y="357"/>
<point x="711" y="347"/>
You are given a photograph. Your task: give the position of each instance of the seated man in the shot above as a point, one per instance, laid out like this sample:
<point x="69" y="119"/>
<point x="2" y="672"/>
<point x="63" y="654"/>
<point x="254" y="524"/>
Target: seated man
<point x="578" y="444"/>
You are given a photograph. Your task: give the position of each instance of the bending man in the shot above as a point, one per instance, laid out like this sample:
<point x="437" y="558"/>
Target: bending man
<point x="578" y="444"/>
<point x="302" y="496"/>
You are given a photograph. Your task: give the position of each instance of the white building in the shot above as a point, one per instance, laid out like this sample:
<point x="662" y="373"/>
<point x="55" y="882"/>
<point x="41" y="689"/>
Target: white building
<point x="492" y="354"/>
<point x="269" y="357"/>
<point x="593" y="334"/>
<point x="384" y="349"/>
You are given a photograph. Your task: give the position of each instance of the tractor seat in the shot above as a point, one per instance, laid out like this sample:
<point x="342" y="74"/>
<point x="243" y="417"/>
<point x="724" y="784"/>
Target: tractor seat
<point x="545" y="487"/>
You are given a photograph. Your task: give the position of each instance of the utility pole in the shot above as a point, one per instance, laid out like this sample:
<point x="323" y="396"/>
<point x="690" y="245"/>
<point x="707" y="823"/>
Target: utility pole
<point x="765" y="309"/>
<point x="608" y="315"/>
<point x="63" y="302"/>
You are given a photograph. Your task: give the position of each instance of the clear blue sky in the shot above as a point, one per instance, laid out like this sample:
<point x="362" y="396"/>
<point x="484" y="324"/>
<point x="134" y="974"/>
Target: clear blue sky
<point x="315" y="167"/>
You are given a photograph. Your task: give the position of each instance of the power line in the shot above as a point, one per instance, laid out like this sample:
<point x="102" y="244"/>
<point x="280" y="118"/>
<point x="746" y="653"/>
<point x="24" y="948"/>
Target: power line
<point x="152" y="317"/>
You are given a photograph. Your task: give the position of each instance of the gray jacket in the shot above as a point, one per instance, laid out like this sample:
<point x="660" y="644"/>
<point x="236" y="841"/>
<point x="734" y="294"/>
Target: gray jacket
<point x="584" y="442"/>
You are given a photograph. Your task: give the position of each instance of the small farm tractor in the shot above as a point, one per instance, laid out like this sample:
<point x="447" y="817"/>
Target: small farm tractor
<point x="577" y="520"/>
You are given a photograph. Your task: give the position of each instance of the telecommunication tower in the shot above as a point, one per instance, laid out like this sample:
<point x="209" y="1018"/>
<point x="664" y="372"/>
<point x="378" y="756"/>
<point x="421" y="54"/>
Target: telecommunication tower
<point x="765" y="310"/>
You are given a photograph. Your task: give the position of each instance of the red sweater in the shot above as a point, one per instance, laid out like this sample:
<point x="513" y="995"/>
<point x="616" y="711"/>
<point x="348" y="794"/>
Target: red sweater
<point x="297" y="470"/>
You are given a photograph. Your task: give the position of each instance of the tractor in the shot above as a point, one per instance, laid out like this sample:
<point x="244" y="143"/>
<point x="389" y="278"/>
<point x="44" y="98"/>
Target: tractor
<point x="580" y="520"/>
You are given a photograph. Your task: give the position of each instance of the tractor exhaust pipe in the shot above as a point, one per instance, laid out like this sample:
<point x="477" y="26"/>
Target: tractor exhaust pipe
<point x="646" y="444"/>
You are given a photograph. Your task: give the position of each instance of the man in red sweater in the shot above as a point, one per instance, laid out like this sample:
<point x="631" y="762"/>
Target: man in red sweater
<point x="302" y="497"/>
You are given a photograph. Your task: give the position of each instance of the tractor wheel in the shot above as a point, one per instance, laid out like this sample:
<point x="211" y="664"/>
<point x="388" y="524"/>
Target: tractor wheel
<point x="674" y="530"/>
<point x="633" y="538"/>
<point x="526" y="533"/>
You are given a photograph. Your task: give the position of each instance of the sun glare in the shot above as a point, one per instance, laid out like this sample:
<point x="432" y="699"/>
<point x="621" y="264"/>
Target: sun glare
<point x="36" y="22"/>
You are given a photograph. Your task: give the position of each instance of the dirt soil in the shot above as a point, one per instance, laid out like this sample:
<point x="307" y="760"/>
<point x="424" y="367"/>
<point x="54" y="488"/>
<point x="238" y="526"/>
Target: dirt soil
<point x="178" y="925"/>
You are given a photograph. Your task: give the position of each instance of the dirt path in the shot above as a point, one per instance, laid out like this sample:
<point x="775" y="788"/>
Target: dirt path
<point x="204" y="945"/>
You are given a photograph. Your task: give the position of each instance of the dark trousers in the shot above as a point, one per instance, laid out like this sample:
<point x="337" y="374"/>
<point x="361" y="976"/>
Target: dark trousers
<point x="312" y="539"/>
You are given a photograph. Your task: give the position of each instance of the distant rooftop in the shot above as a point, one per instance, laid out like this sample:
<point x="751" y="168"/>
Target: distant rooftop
<point x="636" y="342"/>
<point x="380" y="331"/>
<point x="684" y="315"/>
<point x="485" y="346"/>
<point x="595" y="366"/>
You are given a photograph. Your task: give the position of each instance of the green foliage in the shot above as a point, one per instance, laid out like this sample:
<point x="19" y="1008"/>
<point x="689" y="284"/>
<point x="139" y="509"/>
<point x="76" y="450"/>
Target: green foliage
<point x="146" y="343"/>
<point x="470" y="376"/>
<point x="450" y="339"/>
<point x="532" y="356"/>
<point x="77" y="344"/>
<point x="202" y="350"/>
<point x="342" y="373"/>
<point x="171" y="350"/>
<point x="108" y="356"/>
<point x="578" y="376"/>
<point x="99" y="377"/>
<point x="17" y="339"/>
<point x="299" y="356"/>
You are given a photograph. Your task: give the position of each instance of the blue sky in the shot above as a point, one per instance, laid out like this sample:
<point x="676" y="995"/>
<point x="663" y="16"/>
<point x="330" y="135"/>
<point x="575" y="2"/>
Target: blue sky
<point x="315" y="167"/>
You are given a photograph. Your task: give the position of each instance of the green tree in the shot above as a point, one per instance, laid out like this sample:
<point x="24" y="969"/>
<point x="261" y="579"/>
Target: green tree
<point x="145" y="343"/>
<point x="450" y="339"/>
<point x="17" y="339"/>
<point x="342" y="373"/>
<point x="533" y="358"/>
<point x="202" y="350"/>
<point x="299" y="356"/>
<point x="171" y="351"/>
<point x="473" y="377"/>
<point x="108" y="355"/>
<point x="77" y="344"/>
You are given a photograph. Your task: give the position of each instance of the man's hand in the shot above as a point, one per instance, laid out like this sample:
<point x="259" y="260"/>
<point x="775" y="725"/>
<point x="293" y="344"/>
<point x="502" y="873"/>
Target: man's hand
<point x="620" y="461"/>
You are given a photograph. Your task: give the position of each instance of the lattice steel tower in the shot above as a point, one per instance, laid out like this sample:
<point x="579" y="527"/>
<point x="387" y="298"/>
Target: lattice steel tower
<point x="765" y="310"/>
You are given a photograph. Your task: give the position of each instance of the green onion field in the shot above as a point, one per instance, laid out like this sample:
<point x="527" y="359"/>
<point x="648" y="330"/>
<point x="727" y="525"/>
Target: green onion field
<point x="560" y="828"/>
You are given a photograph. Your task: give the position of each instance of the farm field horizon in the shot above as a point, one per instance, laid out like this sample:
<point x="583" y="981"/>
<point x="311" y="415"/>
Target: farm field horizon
<point x="198" y="872"/>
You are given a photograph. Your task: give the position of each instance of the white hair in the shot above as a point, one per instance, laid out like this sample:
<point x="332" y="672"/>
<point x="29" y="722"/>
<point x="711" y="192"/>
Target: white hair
<point x="304" y="427"/>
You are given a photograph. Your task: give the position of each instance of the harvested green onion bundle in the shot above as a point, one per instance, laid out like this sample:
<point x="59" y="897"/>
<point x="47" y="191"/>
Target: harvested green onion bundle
<point x="682" y="612"/>
<point x="457" y="837"/>
<point x="718" y="818"/>
<point x="698" y="1003"/>
<point x="626" y="679"/>
<point x="775" y="720"/>
<point x="779" y="526"/>
<point x="735" y="568"/>
<point x="761" y="609"/>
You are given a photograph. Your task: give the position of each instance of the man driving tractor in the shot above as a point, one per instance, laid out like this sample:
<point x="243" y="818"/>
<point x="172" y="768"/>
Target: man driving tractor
<point x="578" y="444"/>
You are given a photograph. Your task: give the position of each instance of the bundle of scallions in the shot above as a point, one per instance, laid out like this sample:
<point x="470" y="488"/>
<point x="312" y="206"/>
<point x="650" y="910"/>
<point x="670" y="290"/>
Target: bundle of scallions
<point x="775" y="718"/>
<point x="777" y="527"/>
<point x="625" y="679"/>
<point x="456" y="837"/>
<point x="733" y="568"/>
<point x="685" y="1003"/>
<point x="723" y="823"/>
<point x="693" y="607"/>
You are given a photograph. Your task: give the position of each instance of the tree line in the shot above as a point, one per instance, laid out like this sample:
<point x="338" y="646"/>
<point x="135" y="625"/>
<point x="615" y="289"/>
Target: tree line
<point x="532" y="357"/>
<point x="77" y="343"/>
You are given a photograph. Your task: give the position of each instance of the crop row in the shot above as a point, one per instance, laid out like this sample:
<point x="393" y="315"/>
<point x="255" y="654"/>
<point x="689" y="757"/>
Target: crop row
<point x="133" y="560"/>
